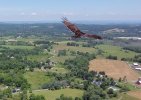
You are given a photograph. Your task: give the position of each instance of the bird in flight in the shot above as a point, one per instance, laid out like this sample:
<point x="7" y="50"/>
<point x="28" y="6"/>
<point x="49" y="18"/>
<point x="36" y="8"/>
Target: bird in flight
<point x="77" y="31"/>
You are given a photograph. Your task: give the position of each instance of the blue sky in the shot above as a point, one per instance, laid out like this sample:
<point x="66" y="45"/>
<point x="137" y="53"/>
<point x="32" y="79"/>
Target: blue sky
<point x="53" y="10"/>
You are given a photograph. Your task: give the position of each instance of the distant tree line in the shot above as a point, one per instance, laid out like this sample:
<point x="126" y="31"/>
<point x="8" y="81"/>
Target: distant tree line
<point x="58" y="30"/>
<point x="112" y="57"/>
<point x="72" y="44"/>
<point x="136" y="58"/>
<point x="133" y="48"/>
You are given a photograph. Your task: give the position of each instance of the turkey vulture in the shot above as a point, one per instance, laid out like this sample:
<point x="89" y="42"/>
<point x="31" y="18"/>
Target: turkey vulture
<point x="77" y="31"/>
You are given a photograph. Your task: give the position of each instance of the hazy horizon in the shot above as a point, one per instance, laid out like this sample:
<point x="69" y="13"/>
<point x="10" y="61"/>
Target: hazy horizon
<point x="80" y="10"/>
<point x="78" y="22"/>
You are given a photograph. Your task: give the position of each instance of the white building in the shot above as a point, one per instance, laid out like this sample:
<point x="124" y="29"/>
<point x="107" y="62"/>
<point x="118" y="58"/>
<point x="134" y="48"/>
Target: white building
<point x="135" y="64"/>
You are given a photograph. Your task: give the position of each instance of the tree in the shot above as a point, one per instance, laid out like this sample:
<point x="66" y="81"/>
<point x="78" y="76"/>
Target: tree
<point x="23" y="95"/>
<point x="77" y="98"/>
<point x="110" y="91"/>
<point x="7" y="93"/>
<point x="38" y="97"/>
<point x="120" y="79"/>
<point x="124" y="79"/>
<point x="62" y="53"/>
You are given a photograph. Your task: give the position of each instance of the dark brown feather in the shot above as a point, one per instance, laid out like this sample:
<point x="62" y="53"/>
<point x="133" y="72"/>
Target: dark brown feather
<point x="77" y="31"/>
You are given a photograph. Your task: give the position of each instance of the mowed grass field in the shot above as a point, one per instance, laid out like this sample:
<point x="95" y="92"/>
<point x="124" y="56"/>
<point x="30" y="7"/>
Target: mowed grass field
<point x="116" y="51"/>
<point x="52" y="95"/>
<point x="37" y="79"/>
<point x="114" y="69"/>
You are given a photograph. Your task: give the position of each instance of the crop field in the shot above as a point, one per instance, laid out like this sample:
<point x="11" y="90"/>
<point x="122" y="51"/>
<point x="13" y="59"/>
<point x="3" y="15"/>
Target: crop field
<point x="52" y="95"/>
<point x="114" y="69"/>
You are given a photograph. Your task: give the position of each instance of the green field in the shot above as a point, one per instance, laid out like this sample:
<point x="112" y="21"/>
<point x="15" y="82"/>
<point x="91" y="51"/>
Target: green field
<point x="65" y="42"/>
<point x="29" y="38"/>
<point x="52" y="95"/>
<point x="41" y="57"/>
<point x="61" y="58"/>
<point x="116" y="51"/>
<point x="108" y="50"/>
<point x="73" y="48"/>
<point x="18" y="47"/>
<point x="58" y="70"/>
<point x="37" y="79"/>
<point x="63" y="46"/>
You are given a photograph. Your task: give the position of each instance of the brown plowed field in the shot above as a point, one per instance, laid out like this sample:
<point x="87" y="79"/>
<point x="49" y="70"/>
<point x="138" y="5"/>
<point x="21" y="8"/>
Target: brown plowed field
<point x="136" y="94"/>
<point x="114" y="69"/>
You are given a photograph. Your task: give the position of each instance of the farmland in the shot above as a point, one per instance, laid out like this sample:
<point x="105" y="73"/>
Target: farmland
<point x="114" y="69"/>
<point x="48" y="63"/>
<point x="136" y="94"/>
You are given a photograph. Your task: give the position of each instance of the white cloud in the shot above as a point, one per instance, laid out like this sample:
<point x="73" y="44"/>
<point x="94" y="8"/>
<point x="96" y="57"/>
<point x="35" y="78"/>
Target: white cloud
<point x="112" y="13"/>
<point x="87" y="15"/>
<point x="22" y="13"/>
<point x="33" y="13"/>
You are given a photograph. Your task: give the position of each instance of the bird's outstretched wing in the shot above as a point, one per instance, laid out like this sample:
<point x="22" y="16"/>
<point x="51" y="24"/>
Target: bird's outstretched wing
<point x="92" y="36"/>
<point x="77" y="31"/>
<point x="72" y="27"/>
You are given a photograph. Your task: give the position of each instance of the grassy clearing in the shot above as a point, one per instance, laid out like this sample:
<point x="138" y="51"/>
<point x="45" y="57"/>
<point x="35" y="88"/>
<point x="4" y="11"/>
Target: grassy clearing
<point x="52" y="95"/>
<point x="63" y="46"/>
<point x="61" y="58"/>
<point x="30" y="38"/>
<point x="18" y="47"/>
<point x="73" y="48"/>
<point x="58" y="70"/>
<point x="40" y="57"/>
<point x="37" y="79"/>
<point x="116" y="51"/>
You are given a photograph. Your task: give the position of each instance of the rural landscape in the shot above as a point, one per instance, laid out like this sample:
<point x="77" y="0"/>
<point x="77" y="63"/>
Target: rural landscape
<point x="70" y="50"/>
<point x="41" y="62"/>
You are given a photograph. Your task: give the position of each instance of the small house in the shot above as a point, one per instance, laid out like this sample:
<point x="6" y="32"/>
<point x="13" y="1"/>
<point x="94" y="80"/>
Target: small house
<point x="135" y="64"/>
<point x="139" y="81"/>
